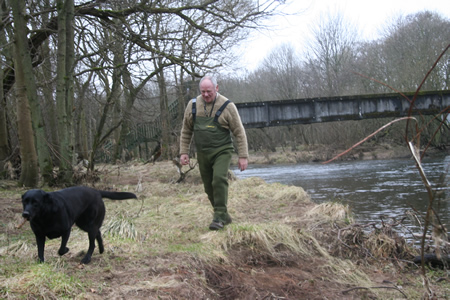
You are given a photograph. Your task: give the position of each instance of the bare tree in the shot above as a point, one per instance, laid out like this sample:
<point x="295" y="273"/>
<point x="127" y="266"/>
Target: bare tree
<point x="4" y="145"/>
<point x="401" y="58"/>
<point x="411" y="45"/>
<point x="215" y="25"/>
<point x="64" y="88"/>
<point x="30" y="173"/>
<point x="284" y="68"/>
<point x="330" y="55"/>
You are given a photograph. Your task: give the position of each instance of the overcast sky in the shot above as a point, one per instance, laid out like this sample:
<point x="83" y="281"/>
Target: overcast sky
<point x="368" y="16"/>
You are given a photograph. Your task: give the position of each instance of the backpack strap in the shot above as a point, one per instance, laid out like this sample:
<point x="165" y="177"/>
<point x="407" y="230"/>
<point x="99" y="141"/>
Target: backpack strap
<point x="194" y="108"/>
<point x="221" y="109"/>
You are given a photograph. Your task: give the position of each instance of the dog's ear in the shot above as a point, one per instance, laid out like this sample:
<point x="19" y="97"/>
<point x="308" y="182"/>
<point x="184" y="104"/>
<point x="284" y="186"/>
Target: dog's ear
<point x="46" y="198"/>
<point x="50" y="203"/>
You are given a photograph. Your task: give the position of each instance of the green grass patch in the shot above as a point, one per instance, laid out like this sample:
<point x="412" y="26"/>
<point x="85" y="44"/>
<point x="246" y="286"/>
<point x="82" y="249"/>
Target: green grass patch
<point x="42" y="281"/>
<point x="196" y="248"/>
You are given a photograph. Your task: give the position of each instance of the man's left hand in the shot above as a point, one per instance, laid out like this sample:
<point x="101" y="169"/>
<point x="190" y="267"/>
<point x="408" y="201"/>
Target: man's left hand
<point x="242" y="163"/>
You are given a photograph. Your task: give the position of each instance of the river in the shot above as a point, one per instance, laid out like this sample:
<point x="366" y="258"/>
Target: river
<point x="373" y="189"/>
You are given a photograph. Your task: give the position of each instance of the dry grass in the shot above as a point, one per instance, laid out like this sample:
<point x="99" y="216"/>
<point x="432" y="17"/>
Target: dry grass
<point x="330" y="211"/>
<point x="159" y="246"/>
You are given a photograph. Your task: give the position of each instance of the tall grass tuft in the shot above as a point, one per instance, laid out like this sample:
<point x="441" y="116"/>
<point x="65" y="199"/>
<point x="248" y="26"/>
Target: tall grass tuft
<point x="332" y="211"/>
<point x="121" y="226"/>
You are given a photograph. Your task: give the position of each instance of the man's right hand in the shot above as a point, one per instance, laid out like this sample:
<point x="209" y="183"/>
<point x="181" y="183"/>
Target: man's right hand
<point x="184" y="159"/>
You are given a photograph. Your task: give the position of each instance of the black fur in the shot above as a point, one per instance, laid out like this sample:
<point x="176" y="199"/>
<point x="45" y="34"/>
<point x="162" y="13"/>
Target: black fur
<point x="53" y="214"/>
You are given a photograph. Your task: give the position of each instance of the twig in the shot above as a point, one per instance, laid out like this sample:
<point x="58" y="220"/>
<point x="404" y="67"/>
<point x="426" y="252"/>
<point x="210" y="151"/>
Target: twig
<point x="180" y="166"/>
<point x="349" y="247"/>
<point x="374" y="287"/>
<point x="21" y="224"/>
<point x="140" y="209"/>
<point x="368" y="137"/>
<point x="420" y="86"/>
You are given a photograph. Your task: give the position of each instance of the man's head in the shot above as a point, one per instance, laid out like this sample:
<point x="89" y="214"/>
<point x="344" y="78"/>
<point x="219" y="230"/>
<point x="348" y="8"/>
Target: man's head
<point x="208" y="88"/>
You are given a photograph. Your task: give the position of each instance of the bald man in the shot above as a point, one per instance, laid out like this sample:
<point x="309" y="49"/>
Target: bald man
<point x="211" y="118"/>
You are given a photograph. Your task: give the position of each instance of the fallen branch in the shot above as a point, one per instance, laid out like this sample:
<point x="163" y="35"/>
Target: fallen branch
<point x="374" y="287"/>
<point x="180" y="166"/>
<point x="368" y="137"/>
<point x="433" y="260"/>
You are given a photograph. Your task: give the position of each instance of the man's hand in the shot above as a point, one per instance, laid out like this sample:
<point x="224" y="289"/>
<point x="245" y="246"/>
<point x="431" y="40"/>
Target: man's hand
<point x="242" y="163"/>
<point x="184" y="159"/>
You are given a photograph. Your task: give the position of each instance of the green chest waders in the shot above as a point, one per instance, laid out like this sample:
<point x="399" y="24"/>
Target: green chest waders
<point x="214" y="151"/>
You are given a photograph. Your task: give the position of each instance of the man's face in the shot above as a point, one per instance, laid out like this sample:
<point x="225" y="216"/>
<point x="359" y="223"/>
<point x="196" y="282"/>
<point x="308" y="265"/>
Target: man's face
<point x="208" y="90"/>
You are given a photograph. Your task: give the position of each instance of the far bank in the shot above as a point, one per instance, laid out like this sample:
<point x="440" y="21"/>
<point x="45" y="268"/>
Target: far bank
<point x="323" y="153"/>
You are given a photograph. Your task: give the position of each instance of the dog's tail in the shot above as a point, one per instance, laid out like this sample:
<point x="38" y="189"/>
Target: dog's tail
<point x="117" y="195"/>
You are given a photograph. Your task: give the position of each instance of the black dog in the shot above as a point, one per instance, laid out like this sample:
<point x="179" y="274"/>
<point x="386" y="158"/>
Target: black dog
<point x="53" y="214"/>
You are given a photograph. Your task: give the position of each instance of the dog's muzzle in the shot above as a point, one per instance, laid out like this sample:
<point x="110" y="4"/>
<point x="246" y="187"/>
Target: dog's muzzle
<point x="26" y="215"/>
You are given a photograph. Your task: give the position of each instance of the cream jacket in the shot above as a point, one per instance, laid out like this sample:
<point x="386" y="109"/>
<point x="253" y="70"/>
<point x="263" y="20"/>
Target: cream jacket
<point x="229" y="119"/>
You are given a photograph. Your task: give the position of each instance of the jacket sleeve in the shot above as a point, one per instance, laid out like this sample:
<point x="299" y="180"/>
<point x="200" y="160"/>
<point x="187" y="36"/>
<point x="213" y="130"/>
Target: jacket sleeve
<point x="186" y="130"/>
<point x="238" y="130"/>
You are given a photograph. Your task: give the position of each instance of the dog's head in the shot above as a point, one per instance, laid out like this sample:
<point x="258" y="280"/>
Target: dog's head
<point x="33" y="201"/>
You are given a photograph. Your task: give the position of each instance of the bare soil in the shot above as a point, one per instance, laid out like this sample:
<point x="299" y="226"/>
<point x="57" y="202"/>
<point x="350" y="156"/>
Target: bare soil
<point x="155" y="266"/>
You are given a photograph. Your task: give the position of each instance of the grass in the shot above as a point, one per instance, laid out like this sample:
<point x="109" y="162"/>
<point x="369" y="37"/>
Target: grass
<point x="121" y="226"/>
<point x="42" y="280"/>
<point x="159" y="246"/>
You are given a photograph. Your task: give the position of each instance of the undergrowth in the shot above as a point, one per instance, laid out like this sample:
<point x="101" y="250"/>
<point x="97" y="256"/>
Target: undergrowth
<point x="159" y="247"/>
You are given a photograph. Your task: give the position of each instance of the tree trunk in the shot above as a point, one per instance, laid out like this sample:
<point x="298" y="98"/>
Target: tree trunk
<point x="119" y="60"/>
<point x="165" y="118"/>
<point x="99" y="137"/>
<point x="64" y="90"/>
<point x="50" y="116"/>
<point x="4" y="144"/>
<point x="130" y="93"/>
<point x="30" y="173"/>
<point x="45" y="163"/>
<point x="83" y="148"/>
<point x="81" y="132"/>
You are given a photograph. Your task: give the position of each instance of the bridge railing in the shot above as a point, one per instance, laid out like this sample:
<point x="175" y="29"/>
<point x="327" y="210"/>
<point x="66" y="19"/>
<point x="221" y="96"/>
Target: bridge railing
<point x="139" y="133"/>
<point x="314" y="110"/>
<point x="307" y="111"/>
<point x="149" y="131"/>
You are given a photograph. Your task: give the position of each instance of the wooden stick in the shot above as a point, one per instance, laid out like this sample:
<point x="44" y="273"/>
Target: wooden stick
<point x="367" y="137"/>
<point x="21" y="224"/>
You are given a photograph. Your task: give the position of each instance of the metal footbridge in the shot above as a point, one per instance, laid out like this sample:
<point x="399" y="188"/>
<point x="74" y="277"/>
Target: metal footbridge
<point x="315" y="110"/>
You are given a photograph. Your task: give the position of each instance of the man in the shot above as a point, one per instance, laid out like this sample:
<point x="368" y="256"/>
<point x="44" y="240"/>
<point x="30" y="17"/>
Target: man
<point x="211" y="118"/>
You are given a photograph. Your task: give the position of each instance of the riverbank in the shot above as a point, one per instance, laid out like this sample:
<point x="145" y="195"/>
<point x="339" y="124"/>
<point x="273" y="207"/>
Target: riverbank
<point x="308" y="154"/>
<point x="279" y="246"/>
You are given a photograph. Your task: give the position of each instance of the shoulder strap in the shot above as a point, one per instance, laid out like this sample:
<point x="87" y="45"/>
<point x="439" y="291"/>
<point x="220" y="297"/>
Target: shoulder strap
<point x="221" y="109"/>
<point x="194" y="108"/>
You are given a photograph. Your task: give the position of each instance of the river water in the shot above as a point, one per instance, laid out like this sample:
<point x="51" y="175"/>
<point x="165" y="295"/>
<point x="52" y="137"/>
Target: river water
<point x="372" y="188"/>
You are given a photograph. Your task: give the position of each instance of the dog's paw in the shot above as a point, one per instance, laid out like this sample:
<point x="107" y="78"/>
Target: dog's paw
<point x="86" y="260"/>
<point x="63" y="251"/>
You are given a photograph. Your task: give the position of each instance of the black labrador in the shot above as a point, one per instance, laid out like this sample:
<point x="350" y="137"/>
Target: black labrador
<point x="53" y="214"/>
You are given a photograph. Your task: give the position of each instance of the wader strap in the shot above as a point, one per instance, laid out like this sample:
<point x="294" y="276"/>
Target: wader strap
<point x="194" y="108"/>
<point x="219" y="112"/>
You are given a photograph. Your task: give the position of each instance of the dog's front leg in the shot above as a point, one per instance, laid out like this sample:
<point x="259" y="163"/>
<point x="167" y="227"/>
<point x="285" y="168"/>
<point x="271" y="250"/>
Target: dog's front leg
<point x="64" y="238"/>
<point x="40" y="241"/>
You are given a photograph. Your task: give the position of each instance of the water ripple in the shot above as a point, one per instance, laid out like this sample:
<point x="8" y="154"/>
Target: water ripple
<point x="372" y="188"/>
